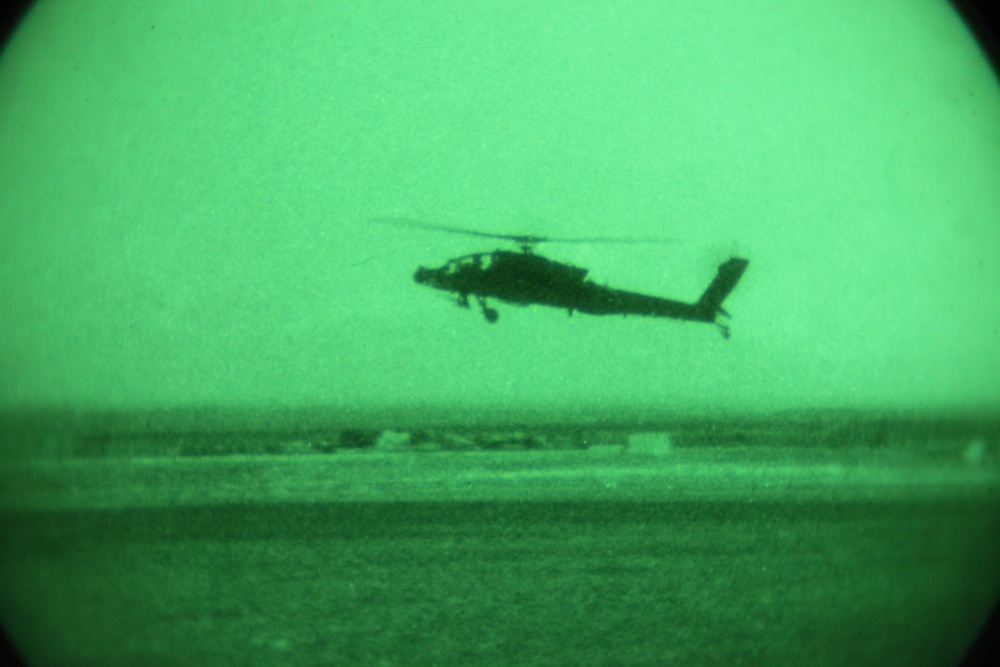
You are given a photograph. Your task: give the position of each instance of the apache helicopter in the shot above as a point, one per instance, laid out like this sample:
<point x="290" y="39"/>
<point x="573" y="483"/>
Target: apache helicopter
<point x="524" y="278"/>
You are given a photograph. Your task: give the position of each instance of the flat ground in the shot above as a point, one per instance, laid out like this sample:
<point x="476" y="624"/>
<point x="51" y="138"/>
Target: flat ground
<point x="702" y="556"/>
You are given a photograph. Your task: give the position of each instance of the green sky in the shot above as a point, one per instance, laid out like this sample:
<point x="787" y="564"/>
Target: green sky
<point x="184" y="188"/>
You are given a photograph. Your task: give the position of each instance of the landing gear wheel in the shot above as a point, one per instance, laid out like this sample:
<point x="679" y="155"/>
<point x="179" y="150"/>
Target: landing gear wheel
<point x="490" y="314"/>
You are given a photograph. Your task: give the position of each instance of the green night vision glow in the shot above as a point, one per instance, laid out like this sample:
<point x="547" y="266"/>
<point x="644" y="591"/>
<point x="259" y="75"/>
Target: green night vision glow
<point x="237" y="427"/>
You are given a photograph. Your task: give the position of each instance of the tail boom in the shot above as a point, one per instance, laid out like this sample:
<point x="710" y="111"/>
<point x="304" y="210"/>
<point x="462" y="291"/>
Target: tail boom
<point x="597" y="300"/>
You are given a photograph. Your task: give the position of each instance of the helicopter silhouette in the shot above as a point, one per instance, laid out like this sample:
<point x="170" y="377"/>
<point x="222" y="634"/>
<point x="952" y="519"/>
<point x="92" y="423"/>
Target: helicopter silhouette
<point x="524" y="278"/>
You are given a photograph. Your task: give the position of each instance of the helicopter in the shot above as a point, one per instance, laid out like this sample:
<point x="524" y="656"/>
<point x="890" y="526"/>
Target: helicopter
<point x="523" y="278"/>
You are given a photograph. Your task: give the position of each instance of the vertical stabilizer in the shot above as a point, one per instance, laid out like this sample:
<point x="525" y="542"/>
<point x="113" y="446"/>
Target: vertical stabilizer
<point x="730" y="273"/>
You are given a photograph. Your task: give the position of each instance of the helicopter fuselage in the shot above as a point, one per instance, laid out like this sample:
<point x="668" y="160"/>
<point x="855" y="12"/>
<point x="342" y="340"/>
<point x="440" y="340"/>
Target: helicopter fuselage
<point x="524" y="278"/>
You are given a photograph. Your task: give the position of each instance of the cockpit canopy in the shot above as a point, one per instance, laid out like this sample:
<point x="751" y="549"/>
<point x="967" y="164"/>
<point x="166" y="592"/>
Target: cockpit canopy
<point x="477" y="261"/>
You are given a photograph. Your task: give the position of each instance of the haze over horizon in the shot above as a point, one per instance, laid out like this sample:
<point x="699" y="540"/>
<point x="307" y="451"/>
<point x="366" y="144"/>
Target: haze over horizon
<point x="185" y="190"/>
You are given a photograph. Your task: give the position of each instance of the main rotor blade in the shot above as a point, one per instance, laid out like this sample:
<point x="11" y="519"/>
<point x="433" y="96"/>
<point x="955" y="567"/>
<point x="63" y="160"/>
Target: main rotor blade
<point x="430" y="227"/>
<point x="528" y="239"/>
<point x="607" y="239"/>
